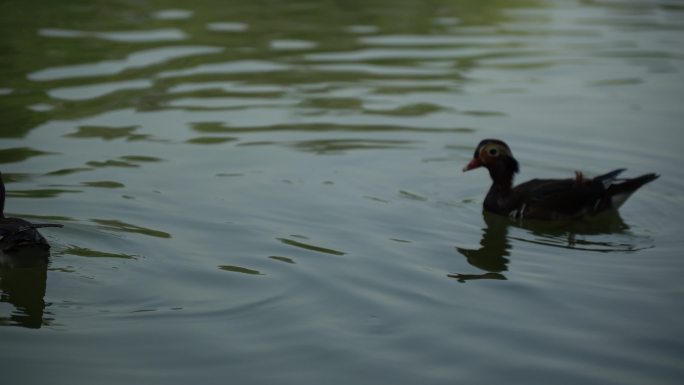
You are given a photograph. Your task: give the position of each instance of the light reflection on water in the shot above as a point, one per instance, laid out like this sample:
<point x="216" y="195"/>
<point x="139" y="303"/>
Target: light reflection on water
<point x="249" y="185"/>
<point x="138" y="59"/>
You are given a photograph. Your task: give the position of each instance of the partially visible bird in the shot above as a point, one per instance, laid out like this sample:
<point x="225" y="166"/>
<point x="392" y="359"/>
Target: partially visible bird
<point x="17" y="233"/>
<point x="549" y="199"/>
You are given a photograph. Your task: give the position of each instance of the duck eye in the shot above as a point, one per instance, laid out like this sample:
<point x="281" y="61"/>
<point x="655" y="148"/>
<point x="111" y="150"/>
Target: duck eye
<point x="493" y="152"/>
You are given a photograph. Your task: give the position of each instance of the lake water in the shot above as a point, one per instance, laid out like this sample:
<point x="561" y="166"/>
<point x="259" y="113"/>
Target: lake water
<point x="271" y="192"/>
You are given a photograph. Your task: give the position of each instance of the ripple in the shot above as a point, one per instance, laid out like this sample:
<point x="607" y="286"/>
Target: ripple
<point x="437" y="40"/>
<point x="111" y="163"/>
<point x="519" y="63"/>
<point x="239" y="269"/>
<point x="310" y="247"/>
<point x="282" y="259"/>
<point x="210" y="127"/>
<point x="463" y="278"/>
<point x="233" y="67"/>
<point x="20" y="154"/>
<point x="410" y="86"/>
<point x="223" y="103"/>
<point x="372" y="54"/>
<point x="135" y="60"/>
<point x="210" y="140"/>
<point x="172" y="14"/>
<point x="229" y="87"/>
<point x="214" y="127"/>
<point x="363" y="29"/>
<point x="332" y="103"/>
<point x="483" y="113"/>
<point x="284" y="44"/>
<point x="376" y="199"/>
<point x="418" y="109"/>
<point x="227" y="26"/>
<point x="41" y="107"/>
<point x="617" y="82"/>
<point x="229" y="174"/>
<point x="337" y="146"/>
<point x="143" y="36"/>
<point x="141" y="158"/>
<point x="68" y="171"/>
<point x="106" y="133"/>
<point x="412" y="196"/>
<point x="103" y="184"/>
<point x="446" y="21"/>
<point x="90" y="253"/>
<point x="117" y="225"/>
<point x="92" y="91"/>
<point x="588" y="244"/>
<point x="128" y="161"/>
<point x="384" y="70"/>
<point x="610" y="239"/>
<point x="40" y="193"/>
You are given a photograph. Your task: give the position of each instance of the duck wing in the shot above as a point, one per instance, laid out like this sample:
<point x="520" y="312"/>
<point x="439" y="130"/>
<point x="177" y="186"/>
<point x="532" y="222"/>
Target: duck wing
<point x="560" y="199"/>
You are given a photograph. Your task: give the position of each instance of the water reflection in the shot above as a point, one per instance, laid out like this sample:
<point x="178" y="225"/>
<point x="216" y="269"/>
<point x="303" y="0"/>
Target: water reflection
<point x="337" y="146"/>
<point x="140" y="59"/>
<point x="142" y="36"/>
<point x="491" y="256"/>
<point x="227" y="27"/>
<point x="23" y="280"/>
<point x="607" y="233"/>
<point x="105" y="133"/>
<point x="307" y="246"/>
<point x="282" y="259"/>
<point x="19" y="154"/>
<point x="174" y="125"/>
<point x="121" y="226"/>
<point x="240" y="269"/>
<point x="90" y="253"/>
<point x="92" y="91"/>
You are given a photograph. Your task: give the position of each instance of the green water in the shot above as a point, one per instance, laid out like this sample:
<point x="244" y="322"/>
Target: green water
<point x="271" y="192"/>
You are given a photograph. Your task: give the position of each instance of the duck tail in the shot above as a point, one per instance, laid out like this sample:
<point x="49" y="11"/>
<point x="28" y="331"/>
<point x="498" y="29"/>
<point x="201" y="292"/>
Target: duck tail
<point x="619" y="192"/>
<point x="608" y="178"/>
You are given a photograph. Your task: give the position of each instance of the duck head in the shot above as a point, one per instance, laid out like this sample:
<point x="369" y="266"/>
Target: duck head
<point x="497" y="158"/>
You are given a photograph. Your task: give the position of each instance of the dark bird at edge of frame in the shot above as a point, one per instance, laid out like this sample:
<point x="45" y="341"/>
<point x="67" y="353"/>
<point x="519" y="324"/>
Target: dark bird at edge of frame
<point x="17" y="233"/>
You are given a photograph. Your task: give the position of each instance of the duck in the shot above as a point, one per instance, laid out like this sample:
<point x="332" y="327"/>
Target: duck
<point x="17" y="233"/>
<point x="549" y="199"/>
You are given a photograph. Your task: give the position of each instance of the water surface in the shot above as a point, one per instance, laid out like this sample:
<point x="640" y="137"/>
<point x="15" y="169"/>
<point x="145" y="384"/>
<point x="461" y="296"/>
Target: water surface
<point x="270" y="192"/>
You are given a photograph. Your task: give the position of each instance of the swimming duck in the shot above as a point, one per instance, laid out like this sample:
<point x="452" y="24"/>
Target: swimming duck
<point x="17" y="233"/>
<point x="548" y="199"/>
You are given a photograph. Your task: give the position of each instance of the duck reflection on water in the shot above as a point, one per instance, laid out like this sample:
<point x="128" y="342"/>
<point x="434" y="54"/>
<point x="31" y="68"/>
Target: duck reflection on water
<point x="496" y="244"/>
<point x="24" y="288"/>
<point x="491" y="256"/>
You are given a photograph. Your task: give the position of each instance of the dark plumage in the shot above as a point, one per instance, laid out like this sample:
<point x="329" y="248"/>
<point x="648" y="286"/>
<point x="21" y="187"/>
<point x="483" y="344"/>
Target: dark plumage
<point x="17" y="233"/>
<point x="548" y="199"/>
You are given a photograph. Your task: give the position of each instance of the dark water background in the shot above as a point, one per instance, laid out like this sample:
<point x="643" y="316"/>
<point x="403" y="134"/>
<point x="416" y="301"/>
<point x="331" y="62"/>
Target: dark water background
<point x="270" y="191"/>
